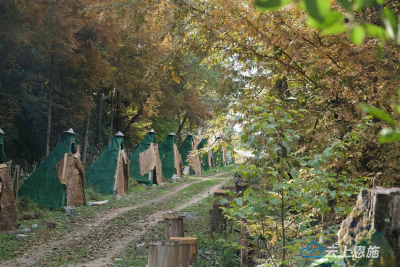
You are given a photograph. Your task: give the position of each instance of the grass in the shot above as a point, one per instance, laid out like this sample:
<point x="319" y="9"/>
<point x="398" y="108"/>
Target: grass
<point x="94" y="245"/>
<point x="11" y="248"/>
<point x="211" y="253"/>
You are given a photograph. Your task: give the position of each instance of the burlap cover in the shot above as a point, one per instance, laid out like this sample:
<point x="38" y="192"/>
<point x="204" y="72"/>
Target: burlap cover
<point x="72" y="176"/>
<point x="8" y="208"/>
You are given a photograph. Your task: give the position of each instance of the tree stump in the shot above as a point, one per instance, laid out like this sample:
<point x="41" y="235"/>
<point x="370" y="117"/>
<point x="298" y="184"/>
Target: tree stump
<point x="241" y="185"/>
<point x="223" y="194"/>
<point x="218" y="220"/>
<point x="187" y="251"/>
<point x="231" y="188"/>
<point x="173" y="226"/>
<point x="373" y="225"/>
<point x="163" y="253"/>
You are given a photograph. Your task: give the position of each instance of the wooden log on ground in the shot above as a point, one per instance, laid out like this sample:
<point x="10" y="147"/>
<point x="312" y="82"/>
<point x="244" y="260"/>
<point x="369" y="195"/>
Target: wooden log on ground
<point x="375" y="226"/>
<point x="163" y="253"/>
<point x="218" y="220"/>
<point x="187" y="251"/>
<point x="173" y="226"/>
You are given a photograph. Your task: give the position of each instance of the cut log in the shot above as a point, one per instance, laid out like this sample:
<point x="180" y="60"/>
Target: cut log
<point x="163" y="253"/>
<point x="231" y="188"/>
<point x="223" y="194"/>
<point x="173" y="226"/>
<point x="187" y="251"/>
<point x="373" y="225"/>
<point x="218" y="220"/>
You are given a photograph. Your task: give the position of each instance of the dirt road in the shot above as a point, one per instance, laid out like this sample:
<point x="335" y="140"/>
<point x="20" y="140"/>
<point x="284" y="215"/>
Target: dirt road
<point x="33" y="256"/>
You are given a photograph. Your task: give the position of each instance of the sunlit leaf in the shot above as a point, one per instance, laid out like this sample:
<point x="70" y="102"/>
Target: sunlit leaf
<point x="265" y="5"/>
<point x="376" y="112"/>
<point x="388" y="135"/>
<point x="357" y="35"/>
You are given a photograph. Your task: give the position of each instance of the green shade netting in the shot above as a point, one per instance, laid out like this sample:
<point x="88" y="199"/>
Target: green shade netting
<point x="218" y="158"/>
<point x="101" y="174"/>
<point x="167" y="157"/>
<point x="185" y="148"/>
<point x="204" y="158"/>
<point x="2" y="154"/>
<point x="134" y="168"/>
<point x="44" y="186"/>
<point x="229" y="155"/>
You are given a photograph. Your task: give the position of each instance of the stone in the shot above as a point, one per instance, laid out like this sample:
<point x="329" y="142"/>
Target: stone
<point x="21" y="237"/>
<point x="117" y="197"/>
<point x="29" y="216"/>
<point x="69" y="210"/>
<point x="26" y="229"/>
<point x="140" y="248"/>
<point x="35" y="226"/>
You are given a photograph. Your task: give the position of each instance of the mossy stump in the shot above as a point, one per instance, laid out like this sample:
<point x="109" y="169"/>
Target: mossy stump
<point x="373" y="223"/>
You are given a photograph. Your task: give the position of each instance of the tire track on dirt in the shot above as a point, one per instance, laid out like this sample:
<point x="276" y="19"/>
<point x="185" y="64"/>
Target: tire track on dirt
<point x="148" y="223"/>
<point x="31" y="257"/>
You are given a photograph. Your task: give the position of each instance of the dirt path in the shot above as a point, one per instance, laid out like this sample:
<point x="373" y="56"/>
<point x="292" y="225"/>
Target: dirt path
<point x="31" y="257"/>
<point x="142" y="227"/>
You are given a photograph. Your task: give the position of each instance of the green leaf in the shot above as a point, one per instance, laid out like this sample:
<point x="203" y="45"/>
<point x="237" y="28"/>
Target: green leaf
<point x="318" y="9"/>
<point x="337" y="28"/>
<point x="357" y="35"/>
<point x="378" y="113"/>
<point x="390" y="21"/>
<point x="295" y="173"/>
<point x="238" y="201"/>
<point x="332" y="18"/>
<point x="264" y="5"/>
<point x="388" y="135"/>
<point x="376" y="31"/>
<point x="223" y="201"/>
<point x="247" y="192"/>
<point x="346" y="4"/>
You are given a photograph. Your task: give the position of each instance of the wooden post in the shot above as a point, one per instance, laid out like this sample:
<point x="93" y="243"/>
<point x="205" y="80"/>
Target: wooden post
<point x="244" y="254"/>
<point x="16" y="178"/>
<point x="218" y="220"/>
<point x="187" y="251"/>
<point x="163" y="253"/>
<point x="173" y="226"/>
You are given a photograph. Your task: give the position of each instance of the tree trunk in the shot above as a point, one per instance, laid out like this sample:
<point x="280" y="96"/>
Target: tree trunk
<point x="99" y="117"/>
<point x="86" y="139"/>
<point x="178" y="134"/>
<point x="51" y="85"/>
<point x="112" y="117"/>
<point x="244" y="254"/>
